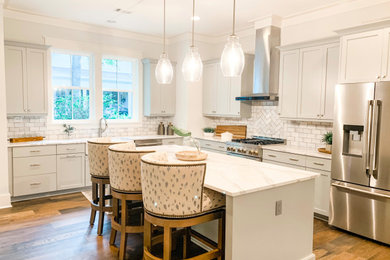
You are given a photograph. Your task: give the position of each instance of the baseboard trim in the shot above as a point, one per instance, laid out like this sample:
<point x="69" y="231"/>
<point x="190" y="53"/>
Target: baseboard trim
<point x="5" y="201"/>
<point x="49" y="194"/>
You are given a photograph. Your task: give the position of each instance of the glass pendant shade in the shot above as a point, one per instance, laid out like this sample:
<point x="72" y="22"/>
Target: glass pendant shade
<point x="164" y="70"/>
<point x="232" y="59"/>
<point x="192" y="66"/>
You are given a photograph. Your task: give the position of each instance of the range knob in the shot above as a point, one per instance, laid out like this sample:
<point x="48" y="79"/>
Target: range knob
<point x="250" y="152"/>
<point x="256" y="152"/>
<point x="243" y="150"/>
<point x="233" y="149"/>
<point x="228" y="148"/>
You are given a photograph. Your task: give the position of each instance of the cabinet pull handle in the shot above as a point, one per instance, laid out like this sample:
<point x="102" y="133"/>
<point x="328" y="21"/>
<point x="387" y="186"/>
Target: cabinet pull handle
<point x="35" y="183"/>
<point x="71" y="156"/>
<point x="294" y="160"/>
<point x="35" y="165"/>
<point x="324" y="175"/>
<point x="271" y="155"/>
<point x="208" y="144"/>
<point x="222" y="147"/>
<point x="319" y="164"/>
<point x="70" y="149"/>
<point x="35" y="151"/>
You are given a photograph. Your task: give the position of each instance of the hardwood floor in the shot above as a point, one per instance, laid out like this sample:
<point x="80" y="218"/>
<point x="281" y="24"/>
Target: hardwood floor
<point x="58" y="228"/>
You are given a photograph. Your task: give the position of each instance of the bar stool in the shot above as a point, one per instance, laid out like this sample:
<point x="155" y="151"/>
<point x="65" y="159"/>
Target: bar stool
<point x="98" y="165"/>
<point x="174" y="196"/>
<point x="125" y="181"/>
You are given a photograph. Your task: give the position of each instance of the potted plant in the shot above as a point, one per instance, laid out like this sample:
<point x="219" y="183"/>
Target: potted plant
<point x="208" y="132"/>
<point x="327" y="139"/>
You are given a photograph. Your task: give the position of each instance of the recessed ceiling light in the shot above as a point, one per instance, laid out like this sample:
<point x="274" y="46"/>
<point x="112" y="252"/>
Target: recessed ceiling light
<point x="111" y="21"/>
<point x="195" y="18"/>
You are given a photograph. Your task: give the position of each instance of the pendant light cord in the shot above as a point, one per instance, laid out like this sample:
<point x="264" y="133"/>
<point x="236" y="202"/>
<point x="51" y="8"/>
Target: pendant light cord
<point x="193" y="22"/>
<point x="164" y="28"/>
<point x="234" y="17"/>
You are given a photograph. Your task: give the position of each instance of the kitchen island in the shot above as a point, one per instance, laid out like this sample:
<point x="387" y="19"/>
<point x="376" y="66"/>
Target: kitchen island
<point x="269" y="208"/>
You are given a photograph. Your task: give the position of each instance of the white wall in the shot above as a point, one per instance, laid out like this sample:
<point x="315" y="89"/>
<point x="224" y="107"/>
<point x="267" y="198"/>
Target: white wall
<point x="4" y="192"/>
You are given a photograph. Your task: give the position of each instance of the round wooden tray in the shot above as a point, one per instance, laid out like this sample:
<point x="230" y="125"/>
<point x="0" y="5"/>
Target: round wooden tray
<point x="191" y="156"/>
<point x="323" y="150"/>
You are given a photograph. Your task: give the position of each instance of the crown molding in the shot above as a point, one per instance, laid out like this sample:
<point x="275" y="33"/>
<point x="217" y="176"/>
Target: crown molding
<point x="265" y="21"/>
<point x="84" y="27"/>
<point x="328" y="10"/>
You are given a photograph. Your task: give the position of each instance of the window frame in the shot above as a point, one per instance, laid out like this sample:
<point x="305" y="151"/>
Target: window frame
<point x="135" y="88"/>
<point x="91" y="88"/>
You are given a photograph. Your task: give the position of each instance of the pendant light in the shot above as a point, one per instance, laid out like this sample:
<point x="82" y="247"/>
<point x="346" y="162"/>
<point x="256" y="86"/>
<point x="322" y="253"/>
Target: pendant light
<point x="233" y="59"/>
<point x="164" y="70"/>
<point x="192" y="67"/>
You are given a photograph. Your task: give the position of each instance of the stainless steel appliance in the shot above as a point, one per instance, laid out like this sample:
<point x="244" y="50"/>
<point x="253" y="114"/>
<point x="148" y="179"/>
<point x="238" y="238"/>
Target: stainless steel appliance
<point x="360" y="186"/>
<point x="251" y="147"/>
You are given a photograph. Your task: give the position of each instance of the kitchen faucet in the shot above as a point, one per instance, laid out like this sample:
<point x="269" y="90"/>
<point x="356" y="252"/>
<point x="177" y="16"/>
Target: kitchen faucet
<point x="102" y="130"/>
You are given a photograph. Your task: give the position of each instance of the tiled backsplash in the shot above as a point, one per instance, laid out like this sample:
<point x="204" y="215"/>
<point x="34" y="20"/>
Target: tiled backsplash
<point x="24" y="126"/>
<point x="265" y="121"/>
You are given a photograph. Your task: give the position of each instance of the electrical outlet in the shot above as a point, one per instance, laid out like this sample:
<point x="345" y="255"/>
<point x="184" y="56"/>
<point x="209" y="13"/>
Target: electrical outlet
<point x="278" y="208"/>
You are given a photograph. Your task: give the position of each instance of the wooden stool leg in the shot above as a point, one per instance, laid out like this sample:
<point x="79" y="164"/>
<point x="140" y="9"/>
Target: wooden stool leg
<point x="95" y="192"/>
<point x="221" y="237"/>
<point x="92" y="218"/>
<point x="147" y="236"/>
<point x="167" y="243"/>
<point x="186" y="241"/>
<point x="122" y="247"/>
<point x="114" y="217"/>
<point x="101" y="206"/>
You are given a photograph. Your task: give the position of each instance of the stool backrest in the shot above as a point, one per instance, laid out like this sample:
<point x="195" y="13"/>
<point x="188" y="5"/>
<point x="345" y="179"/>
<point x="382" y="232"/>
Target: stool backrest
<point x="171" y="189"/>
<point x="98" y="155"/>
<point x="125" y="167"/>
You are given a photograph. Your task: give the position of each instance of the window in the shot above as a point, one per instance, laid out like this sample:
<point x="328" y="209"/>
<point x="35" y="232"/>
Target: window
<point x="71" y="80"/>
<point x="119" y="83"/>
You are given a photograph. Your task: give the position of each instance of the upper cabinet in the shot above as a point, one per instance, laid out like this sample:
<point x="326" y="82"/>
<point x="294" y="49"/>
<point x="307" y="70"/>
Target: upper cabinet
<point x="308" y="76"/>
<point x="159" y="100"/>
<point x="26" y="79"/>
<point x="365" y="57"/>
<point x="219" y="92"/>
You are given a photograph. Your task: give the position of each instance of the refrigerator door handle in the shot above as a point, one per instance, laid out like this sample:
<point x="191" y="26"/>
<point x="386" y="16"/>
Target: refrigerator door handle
<point x="375" y="134"/>
<point x="368" y="192"/>
<point x="368" y="139"/>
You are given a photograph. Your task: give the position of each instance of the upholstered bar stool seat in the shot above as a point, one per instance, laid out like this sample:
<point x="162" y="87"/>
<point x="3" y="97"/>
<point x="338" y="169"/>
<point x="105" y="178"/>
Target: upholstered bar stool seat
<point x="98" y="165"/>
<point x="125" y="181"/>
<point x="174" y="196"/>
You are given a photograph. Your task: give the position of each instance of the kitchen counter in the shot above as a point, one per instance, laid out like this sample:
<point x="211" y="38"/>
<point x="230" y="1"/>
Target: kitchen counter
<point x="214" y="138"/>
<point x="84" y="140"/>
<point x="266" y="206"/>
<point x="297" y="150"/>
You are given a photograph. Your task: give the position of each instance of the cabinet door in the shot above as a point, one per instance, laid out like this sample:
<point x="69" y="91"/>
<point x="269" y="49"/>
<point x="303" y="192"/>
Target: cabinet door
<point x="361" y="57"/>
<point x="321" y="192"/>
<point x="223" y="93"/>
<point x="386" y="55"/>
<point x="155" y="92"/>
<point x="87" y="174"/>
<point x="70" y="171"/>
<point x="331" y="76"/>
<point x="210" y="85"/>
<point x="15" y="76"/>
<point x="36" y="81"/>
<point x="235" y="91"/>
<point x="168" y="98"/>
<point x="311" y="80"/>
<point x="288" y="83"/>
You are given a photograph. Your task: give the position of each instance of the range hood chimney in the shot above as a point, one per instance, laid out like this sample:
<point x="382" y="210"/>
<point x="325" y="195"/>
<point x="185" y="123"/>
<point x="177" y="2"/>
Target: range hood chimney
<point x="266" y="65"/>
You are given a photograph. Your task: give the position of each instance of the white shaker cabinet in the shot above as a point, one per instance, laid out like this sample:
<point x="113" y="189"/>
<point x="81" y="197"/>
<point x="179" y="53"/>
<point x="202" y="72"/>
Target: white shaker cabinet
<point x="307" y="79"/>
<point x="26" y="87"/>
<point x="219" y="92"/>
<point x="159" y="99"/>
<point x="289" y="83"/>
<point x="70" y="171"/>
<point x="386" y="55"/>
<point x="361" y="57"/>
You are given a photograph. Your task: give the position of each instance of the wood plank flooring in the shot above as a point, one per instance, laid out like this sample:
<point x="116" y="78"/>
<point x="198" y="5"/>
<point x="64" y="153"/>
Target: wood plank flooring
<point x="58" y="228"/>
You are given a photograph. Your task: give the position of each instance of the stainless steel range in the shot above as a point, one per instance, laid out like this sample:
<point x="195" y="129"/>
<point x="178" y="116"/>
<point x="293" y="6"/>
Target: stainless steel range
<point x="251" y="147"/>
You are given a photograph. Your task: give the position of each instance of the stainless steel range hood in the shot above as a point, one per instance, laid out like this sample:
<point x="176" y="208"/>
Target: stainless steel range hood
<point x="266" y="65"/>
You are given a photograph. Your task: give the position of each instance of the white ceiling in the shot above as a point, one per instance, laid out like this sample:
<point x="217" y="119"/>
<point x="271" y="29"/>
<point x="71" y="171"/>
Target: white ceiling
<point x="146" y="15"/>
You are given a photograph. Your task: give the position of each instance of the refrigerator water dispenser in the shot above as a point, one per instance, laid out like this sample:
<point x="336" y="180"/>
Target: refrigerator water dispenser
<point x="353" y="140"/>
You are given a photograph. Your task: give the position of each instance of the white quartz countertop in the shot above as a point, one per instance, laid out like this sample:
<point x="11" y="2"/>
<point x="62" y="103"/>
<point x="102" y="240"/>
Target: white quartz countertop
<point x="235" y="176"/>
<point x="84" y="140"/>
<point x="297" y="150"/>
<point x="214" y="138"/>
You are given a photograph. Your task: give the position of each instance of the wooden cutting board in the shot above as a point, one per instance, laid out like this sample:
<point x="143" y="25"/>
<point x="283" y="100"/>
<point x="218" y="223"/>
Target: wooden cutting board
<point x="26" y="139"/>
<point x="238" y="131"/>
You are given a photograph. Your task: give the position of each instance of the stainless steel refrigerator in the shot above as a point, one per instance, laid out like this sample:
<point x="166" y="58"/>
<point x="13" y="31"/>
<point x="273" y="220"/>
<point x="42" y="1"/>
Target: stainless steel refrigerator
<point x="360" y="188"/>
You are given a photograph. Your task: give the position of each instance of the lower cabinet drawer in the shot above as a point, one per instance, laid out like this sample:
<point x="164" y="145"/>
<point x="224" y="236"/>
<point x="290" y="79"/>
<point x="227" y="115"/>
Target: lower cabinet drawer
<point x="218" y="146"/>
<point x="28" y="166"/>
<point x="285" y="164"/>
<point x="289" y="158"/>
<point x="27" y="185"/>
<point x="318" y="163"/>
